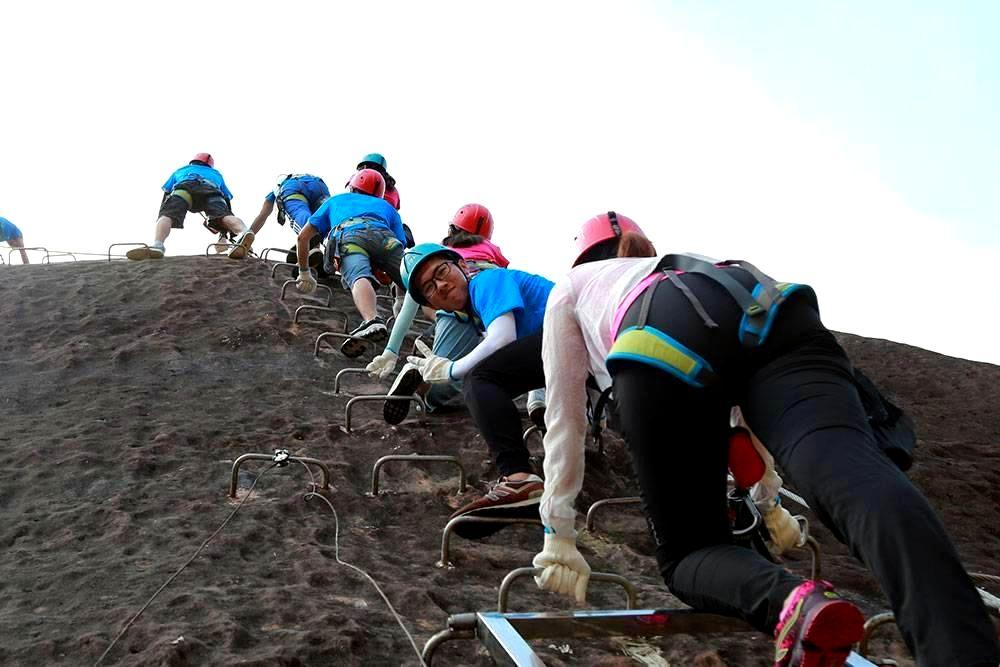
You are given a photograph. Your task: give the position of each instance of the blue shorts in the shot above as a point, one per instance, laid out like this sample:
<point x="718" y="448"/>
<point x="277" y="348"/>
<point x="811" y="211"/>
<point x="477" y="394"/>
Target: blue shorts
<point x="365" y="247"/>
<point x="298" y="211"/>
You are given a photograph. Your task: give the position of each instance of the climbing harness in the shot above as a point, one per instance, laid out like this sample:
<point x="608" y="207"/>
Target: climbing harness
<point x="651" y="346"/>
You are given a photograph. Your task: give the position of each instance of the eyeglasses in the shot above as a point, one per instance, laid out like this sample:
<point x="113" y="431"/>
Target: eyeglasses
<point x="430" y="285"/>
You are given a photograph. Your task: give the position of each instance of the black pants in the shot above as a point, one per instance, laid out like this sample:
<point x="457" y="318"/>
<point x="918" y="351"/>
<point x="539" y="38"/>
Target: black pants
<point x="797" y="395"/>
<point x="490" y="389"/>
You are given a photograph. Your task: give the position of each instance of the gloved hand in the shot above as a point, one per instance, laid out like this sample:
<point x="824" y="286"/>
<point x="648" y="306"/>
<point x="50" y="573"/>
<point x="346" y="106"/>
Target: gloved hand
<point x="784" y="529"/>
<point x="566" y="571"/>
<point x="306" y="282"/>
<point x="382" y="365"/>
<point x="434" y="369"/>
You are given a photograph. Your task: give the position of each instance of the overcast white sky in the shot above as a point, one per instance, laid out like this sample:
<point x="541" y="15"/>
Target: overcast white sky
<point x="848" y="147"/>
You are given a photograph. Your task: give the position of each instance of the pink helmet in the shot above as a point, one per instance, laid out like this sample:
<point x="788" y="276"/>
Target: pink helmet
<point x="369" y="182"/>
<point x="475" y="219"/>
<point x="601" y="228"/>
<point x="204" y="157"/>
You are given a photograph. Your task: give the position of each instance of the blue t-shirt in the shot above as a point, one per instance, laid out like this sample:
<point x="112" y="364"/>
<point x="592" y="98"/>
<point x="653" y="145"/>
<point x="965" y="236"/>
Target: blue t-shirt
<point x="8" y="230"/>
<point x="356" y="205"/>
<point x="312" y="187"/>
<point x="499" y="291"/>
<point x="191" y="172"/>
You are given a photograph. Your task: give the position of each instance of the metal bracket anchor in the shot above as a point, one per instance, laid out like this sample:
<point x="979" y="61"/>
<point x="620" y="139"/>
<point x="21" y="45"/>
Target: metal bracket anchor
<point x="426" y="458"/>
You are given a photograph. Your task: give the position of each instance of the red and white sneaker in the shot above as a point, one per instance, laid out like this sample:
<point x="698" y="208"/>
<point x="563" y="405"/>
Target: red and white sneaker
<point x="505" y="500"/>
<point x="816" y="628"/>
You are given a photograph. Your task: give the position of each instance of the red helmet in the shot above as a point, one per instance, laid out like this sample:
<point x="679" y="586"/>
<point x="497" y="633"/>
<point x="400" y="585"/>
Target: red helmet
<point x="475" y="219"/>
<point x="369" y="182"/>
<point x="204" y="157"/>
<point x="600" y="228"/>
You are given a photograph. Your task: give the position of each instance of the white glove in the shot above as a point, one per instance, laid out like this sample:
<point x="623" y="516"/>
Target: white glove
<point x="566" y="571"/>
<point x="382" y="365"/>
<point x="784" y="529"/>
<point x="305" y="283"/>
<point x="434" y="369"/>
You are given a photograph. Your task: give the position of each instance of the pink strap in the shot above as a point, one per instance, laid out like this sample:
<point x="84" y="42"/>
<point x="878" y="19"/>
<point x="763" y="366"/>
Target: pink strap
<point x="630" y="299"/>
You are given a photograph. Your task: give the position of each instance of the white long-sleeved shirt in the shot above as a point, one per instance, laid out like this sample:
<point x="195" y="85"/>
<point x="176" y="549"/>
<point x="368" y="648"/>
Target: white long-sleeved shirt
<point x="576" y="342"/>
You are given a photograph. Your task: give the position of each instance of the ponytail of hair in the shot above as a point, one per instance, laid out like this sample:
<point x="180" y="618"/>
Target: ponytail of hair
<point x="634" y="244"/>
<point x="459" y="238"/>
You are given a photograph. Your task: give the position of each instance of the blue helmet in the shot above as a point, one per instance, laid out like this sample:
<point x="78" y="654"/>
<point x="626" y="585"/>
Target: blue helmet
<point x="417" y="255"/>
<point x="373" y="159"/>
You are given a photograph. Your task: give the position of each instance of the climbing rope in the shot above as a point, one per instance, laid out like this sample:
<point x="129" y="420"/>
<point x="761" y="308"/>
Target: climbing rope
<point x="182" y="568"/>
<point x="336" y="555"/>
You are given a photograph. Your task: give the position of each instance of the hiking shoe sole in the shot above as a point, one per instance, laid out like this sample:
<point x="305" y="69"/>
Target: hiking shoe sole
<point x="355" y="347"/>
<point x="139" y="254"/>
<point x="830" y="631"/>
<point x="242" y="249"/>
<point x="405" y="385"/>
<point x="818" y="630"/>
<point x="477" y="531"/>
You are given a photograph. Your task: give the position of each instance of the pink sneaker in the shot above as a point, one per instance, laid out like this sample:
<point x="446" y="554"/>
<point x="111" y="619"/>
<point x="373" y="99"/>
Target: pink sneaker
<point x="816" y="628"/>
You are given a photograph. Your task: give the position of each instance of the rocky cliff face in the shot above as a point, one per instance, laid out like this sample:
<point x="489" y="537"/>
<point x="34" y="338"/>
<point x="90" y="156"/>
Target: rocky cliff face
<point x="127" y="390"/>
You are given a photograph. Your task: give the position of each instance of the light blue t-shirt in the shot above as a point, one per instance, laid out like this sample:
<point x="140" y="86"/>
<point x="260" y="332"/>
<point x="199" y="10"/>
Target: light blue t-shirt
<point x="8" y="230"/>
<point x="312" y="187"/>
<point x="194" y="171"/>
<point x="494" y="293"/>
<point x="356" y="205"/>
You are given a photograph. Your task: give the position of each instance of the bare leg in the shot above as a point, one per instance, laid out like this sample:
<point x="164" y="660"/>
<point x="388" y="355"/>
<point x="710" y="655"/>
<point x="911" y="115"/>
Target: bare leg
<point x="163" y="228"/>
<point x="233" y="224"/>
<point x="19" y="243"/>
<point x="364" y="298"/>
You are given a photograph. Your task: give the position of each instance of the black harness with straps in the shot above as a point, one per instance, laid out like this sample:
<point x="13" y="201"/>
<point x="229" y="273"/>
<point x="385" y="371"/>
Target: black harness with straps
<point x="758" y="307"/>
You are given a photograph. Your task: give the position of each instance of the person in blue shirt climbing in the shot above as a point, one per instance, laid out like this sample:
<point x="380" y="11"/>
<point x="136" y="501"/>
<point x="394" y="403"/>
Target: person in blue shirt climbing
<point x="197" y="187"/>
<point x="509" y="306"/>
<point x="10" y="234"/>
<point x="297" y="196"/>
<point x="365" y="234"/>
